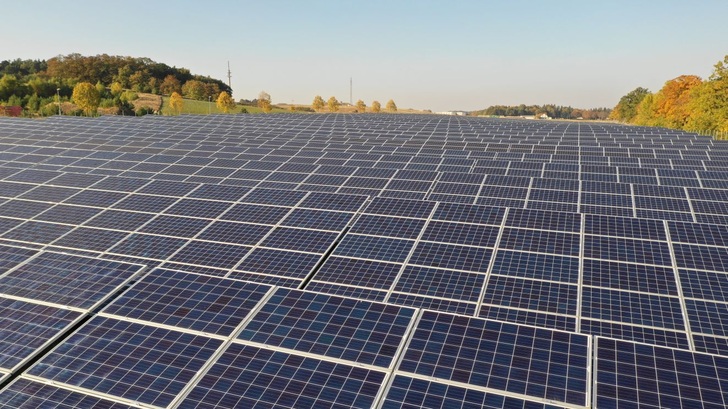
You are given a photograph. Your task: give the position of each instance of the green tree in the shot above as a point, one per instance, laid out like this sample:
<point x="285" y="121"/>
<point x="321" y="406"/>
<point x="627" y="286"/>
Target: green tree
<point x="391" y="106"/>
<point x="361" y="106"/>
<point x="194" y="89"/>
<point x="709" y="103"/>
<point x="647" y="112"/>
<point x="333" y="104"/>
<point x="225" y="102"/>
<point x="376" y="106"/>
<point x="318" y="103"/>
<point x="86" y="97"/>
<point x="9" y="85"/>
<point x="176" y="102"/>
<point x="264" y="101"/>
<point x="626" y="109"/>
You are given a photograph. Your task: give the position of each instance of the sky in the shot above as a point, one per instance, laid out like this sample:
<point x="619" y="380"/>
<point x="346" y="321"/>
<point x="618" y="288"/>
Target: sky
<point x="436" y="55"/>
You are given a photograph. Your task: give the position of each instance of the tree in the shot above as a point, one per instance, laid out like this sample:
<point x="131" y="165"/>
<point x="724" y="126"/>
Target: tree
<point x="333" y="104"/>
<point x="116" y="89"/>
<point x="376" y="106"/>
<point x="194" y="89"/>
<point x="169" y="85"/>
<point x="318" y="103"/>
<point x="626" y="109"/>
<point x="708" y="105"/>
<point x="361" y="106"/>
<point x="391" y="106"/>
<point x="671" y="102"/>
<point x="264" y="101"/>
<point x="176" y="102"/>
<point x="225" y="102"/>
<point x="86" y="96"/>
<point x="101" y="89"/>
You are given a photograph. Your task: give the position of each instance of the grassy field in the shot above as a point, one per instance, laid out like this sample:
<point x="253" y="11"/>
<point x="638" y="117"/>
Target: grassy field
<point x="192" y="106"/>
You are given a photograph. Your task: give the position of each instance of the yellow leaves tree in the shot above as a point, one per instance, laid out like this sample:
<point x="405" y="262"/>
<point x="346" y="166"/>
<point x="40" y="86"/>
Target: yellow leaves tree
<point x="264" y="101"/>
<point x="86" y="97"/>
<point x="318" y="103"/>
<point x="225" y="102"/>
<point x="116" y="89"/>
<point x="376" y="106"/>
<point x="671" y="102"/>
<point x="361" y="106"/>
<point x="176" y="102"/>
<point x="333" y="104"/>
<point x="391" y="106"/>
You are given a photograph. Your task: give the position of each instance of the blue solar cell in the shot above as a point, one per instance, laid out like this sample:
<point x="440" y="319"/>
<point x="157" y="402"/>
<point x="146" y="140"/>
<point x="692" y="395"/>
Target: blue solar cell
<point x="529" y="294"/>
<point x="701" y="257"/>
<point x="708" y="317"/>
<point x="234" y="233"/>
<point x="624" y="227"/>
<point x="205" y="253"/>
<point x="364" y="273"/>
<point x="246" y="376"/>
<point x="400" y="207"/>
<point x="273" y="197"/>
<point x="354" y="330"/>
<point x="694" y="233"/>
<point x="182" y="227"/>
<point x="431" y="303"/>
<point x="12" y="256"/>
<point x="333" y="201"/>
<point x="145" y="203"/>
<point x="654" y="336"/>
<point x="374" y="248"/>
<point x="148" y="246"/>
<point x="288" y="238"/>
<point x="632" y="308"/>
<point x="629" y="250"/>
<point x="539" y="319"/>
<point x="347" y="291"/>
<point x="537" y="266"/>
<point x="540" y="241"/>
<point x="500" y="356"/>
<point x="26" y="327"/>
<point x="66" y="279"/>
<point x="388" y="226"/>
<point x="132" y="361"/>
<point x="413" y="393"/>
<point x="544" y="220"/>
<point x="452" y="257"/>
<point x="28" y="394"/>
<point x="279" y="263"/>
<point x="457" y="285"/>
<point x="318" y="219"/>
<point x="460" y="233"/>
<point x="198" y="302"/>
<point x="631" y="277"/>
<point x="638" y="375"/>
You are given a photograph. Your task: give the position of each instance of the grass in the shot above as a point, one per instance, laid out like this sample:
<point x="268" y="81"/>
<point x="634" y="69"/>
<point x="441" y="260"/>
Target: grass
<point x="195" y="107"/>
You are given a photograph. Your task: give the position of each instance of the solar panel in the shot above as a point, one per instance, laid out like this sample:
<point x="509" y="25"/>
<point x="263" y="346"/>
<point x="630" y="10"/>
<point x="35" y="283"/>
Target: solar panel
<point x="26" y="394"/>
<point x="344" y="328"/>
<point x="248" y="376"/>
<point x="196" y="302"/>
<point x="133" y="361"/>
<point x="500" y="356"/>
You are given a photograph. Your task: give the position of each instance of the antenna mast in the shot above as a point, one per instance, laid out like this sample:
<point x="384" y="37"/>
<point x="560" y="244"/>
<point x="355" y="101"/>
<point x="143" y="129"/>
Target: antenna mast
<point x="351" y="87"/>
<point x="229" y="76"/>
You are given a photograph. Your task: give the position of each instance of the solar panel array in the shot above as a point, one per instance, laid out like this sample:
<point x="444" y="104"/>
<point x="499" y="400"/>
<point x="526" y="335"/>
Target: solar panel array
<point x="361" y="261"/>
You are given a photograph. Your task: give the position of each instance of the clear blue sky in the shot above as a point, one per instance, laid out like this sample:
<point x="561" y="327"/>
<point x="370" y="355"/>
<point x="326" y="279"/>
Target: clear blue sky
<point x="437" y="55"/>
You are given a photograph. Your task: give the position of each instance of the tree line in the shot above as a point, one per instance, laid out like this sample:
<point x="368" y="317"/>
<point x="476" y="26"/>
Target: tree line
<point x="687" y="102"/>
<point x="551" y="110"/>
<point x="37" y="84"/>
<point x="333" y="105"/>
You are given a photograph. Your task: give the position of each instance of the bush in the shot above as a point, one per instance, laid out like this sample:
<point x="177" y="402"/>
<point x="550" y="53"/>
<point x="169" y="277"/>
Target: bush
<point x="141" y="111"/>
<point x="243" y="111"/>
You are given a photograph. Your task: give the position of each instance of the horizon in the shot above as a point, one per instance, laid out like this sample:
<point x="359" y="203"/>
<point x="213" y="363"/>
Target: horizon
<point x="423" y="55"/>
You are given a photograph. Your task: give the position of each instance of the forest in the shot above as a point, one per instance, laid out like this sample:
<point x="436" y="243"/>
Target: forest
<point x="36" y="85"/>
<point x="552" y="111"/>
<point x="687" y="102"/>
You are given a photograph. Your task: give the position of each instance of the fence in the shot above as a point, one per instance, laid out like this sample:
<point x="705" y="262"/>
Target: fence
<point x="717" y="135"/>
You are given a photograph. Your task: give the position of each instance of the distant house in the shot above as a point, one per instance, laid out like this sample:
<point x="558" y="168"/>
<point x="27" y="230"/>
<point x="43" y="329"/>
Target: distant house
<point x="11" y="110"/>
<point x="458" y="113"/>
<point x="543" y="116"/>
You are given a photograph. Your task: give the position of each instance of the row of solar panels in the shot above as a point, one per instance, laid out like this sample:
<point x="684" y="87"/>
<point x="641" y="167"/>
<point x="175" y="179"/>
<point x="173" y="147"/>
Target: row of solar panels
<point x="176" y="339"/>
<point x="552" y="269"/>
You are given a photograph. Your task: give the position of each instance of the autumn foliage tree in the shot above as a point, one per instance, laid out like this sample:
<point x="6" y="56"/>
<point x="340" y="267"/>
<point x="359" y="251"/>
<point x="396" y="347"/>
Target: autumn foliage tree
<point x="361" y="106"/>
<point x="264" y="101"/>
<point x="86" y="97"/>
<point x="170" y="85"/>
<point x="225" y="102"/>
<point x="318" y="103"/>
<point x="376" y="106"/>
<point x="176" y="102"/>
<point x="333" y="104"/>
<point x="391" y="106"/>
